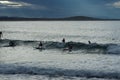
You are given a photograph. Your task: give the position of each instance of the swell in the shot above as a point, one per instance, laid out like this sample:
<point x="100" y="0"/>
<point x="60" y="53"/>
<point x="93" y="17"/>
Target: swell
<point x="107" y="48"/>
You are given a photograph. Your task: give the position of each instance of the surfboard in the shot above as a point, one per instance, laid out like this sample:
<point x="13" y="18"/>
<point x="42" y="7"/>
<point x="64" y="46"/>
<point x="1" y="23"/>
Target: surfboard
<point x="8" y="46"/>
<point x="39" y="48"/>
<point x="67" y="49"/>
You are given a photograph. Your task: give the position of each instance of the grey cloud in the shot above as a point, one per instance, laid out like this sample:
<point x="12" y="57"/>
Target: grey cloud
<point x="14" y="4"/>
<point x="115" y="4"/>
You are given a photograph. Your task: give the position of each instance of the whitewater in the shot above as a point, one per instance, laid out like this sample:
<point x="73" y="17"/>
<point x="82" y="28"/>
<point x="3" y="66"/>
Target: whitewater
<point x="99" y="60"/>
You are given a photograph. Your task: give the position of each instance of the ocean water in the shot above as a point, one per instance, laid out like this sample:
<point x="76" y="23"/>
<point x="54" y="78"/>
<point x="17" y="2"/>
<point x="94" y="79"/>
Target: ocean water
<point x="97" y="61"/>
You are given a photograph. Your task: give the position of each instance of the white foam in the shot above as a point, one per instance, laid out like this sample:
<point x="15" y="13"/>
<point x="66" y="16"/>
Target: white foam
<point x="25" y="60"/>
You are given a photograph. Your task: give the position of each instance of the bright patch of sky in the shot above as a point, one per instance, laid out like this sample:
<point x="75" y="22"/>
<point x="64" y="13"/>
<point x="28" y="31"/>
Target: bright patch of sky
<point x="115" y="4"/>
<point x="13" y="4"/>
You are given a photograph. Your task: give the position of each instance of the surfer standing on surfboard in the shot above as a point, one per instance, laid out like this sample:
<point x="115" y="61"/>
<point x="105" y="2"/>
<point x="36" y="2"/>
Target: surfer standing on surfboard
<point x="63" y="40"/>
<point x="1" y="34"/>
<point x="40" y="45"/>
<point x="89" y="42"/>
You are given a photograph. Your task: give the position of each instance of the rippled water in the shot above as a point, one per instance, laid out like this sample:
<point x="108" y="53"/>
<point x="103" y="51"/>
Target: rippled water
<point x="24" y="62"/>
<point x="82" y="31"/>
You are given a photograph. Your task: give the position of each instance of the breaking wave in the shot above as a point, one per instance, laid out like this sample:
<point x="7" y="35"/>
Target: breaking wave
<point x="108" y="48"/>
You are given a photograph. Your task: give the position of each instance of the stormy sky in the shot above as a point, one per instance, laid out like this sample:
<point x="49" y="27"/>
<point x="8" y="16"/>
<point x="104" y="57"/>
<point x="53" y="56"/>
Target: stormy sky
<point x="60" y="8"/>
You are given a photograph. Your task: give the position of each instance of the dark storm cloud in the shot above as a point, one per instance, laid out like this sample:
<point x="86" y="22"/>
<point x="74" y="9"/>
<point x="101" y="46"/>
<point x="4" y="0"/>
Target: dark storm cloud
<point x="60" y="8"/>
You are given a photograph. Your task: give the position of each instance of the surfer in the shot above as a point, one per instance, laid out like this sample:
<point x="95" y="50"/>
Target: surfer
<point x="89" y="42"/>
<point x="63" y="40"/>
<point x="70" y="47"/>
<point x="11" y="43"/>
<point x="40" y="45"/>
<point x="1" y="34"/>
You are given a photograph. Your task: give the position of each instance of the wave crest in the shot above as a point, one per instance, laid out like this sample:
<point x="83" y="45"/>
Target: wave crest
<point x="108" y="48"/>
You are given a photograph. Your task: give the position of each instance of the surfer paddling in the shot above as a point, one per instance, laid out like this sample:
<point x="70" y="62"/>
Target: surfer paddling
<point x="1" y="34"/>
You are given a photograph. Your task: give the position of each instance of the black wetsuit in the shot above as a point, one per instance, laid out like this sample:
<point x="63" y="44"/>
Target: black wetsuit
<point x="89" y="42"/>
<point x="40" y="45"/>
<point x="63" y="40"/>
<point x="11" y="43"/>
<point x="0" y="35"/>
<point x="70" y="47"/>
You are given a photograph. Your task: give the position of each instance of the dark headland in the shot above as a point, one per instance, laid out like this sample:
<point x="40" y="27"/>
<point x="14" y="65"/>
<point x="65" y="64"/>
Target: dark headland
<point x="74" y="18"/>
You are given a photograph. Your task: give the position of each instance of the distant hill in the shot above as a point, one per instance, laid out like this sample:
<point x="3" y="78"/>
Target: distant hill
<point x="74" y="18"/>
<point x="80" y="18"/>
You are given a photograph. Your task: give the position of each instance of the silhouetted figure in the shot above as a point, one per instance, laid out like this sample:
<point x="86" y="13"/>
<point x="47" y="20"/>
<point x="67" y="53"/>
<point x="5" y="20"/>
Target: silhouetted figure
<point x="70" y="47"/>
<point x="1" y="34"/>
<point x="63" y="40"/>
<point x="11" y="43"/>
<point x="89" y="42"/>
<point x="113" y="39"/>
<point x="40" y="45"/>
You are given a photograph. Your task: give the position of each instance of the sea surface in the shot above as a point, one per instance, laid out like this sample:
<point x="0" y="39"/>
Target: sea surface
<point x="99" y="60"/>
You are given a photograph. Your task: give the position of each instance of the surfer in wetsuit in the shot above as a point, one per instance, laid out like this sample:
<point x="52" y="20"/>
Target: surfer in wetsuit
<point x="89" y="42"/>
<point x="40" y="45"/>
<point x="1" y="34"/>
<point x="63" y="43"/>
<point x="63" y="40"/>
<point x="70" y="47"/>
<point x="11" y="43"/>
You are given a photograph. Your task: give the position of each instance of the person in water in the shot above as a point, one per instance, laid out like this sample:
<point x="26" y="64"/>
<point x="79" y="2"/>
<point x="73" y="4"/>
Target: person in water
<point x="63" y="40"/>
<point x="40" y="45"/>
<point x="1" y="34"/>
<point x="11" y="43"/>
<point x="70" y="47"/>
<point x="89" y="42"/>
